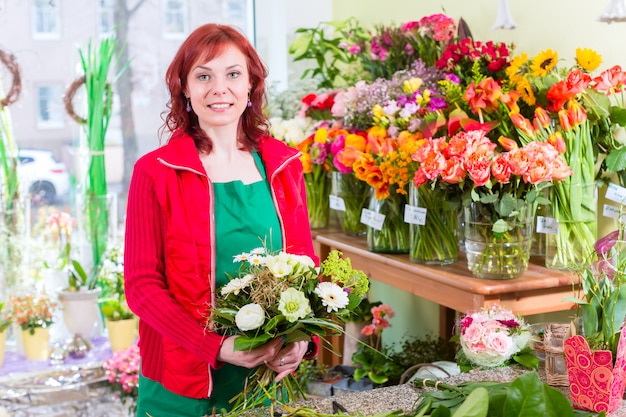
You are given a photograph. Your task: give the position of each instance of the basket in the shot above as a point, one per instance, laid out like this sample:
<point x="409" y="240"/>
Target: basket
<point x="556" y="368"/>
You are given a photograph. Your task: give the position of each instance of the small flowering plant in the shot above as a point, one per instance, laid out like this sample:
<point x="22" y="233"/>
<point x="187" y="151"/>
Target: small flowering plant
<point x="31" y="311"/>
<point x="58" y="235"/>
<point x="494" y="337"/>
<point x="282" y="295"/>
<point x="110" y="278"/>
<point x="122" y="372"/>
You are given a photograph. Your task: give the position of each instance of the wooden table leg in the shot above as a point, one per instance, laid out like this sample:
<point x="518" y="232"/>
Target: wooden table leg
<point x="447" y="322"/>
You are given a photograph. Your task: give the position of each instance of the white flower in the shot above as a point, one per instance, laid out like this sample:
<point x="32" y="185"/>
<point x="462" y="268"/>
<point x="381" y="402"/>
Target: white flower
<point x="293" y="304"/>
<point x="278" y="265"/>
<point x="242" y="257"/>
<point x="257" y="251"/>
<point x="303" y="260"/>
<point x="235" y="285"/>
<point x="250" y="317"/>
<point x="332" y="295"/>
<point x="256" y="259"/>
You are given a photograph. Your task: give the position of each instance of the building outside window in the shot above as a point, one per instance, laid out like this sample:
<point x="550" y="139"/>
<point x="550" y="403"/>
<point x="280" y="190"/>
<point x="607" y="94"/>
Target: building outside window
<point x="46" y="19"/>
<point x="175" y="18"/>
<point x="50" y="109"/>
<point x="106" y="17"/>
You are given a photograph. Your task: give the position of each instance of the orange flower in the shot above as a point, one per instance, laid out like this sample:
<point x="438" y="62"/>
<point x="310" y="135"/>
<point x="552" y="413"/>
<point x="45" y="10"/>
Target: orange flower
<point x="356" y="142"/>
<point x="307" y="166"/>
<point x="576" y="112"/>
<point x="507" y="143"/>
<point x="542" y="118"/>
<point x="522" y="123"/>
<point x="556" y="139"/>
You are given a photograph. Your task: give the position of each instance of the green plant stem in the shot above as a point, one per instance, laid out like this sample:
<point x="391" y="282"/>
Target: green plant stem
<point x="355" y="194"/>
<point x="393" y="237"/>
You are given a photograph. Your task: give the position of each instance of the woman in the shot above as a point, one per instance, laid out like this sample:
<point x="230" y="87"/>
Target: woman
<point x="219" y="187"/>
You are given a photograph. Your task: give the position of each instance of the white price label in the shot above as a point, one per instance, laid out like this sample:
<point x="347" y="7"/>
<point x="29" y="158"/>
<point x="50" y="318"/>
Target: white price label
<point x="366" y="216"/>
<point x="415" y="215"/>
<point x="616" y="193"/>
<point x="610" y="211"/>
<point x="337" y="203"/>
<point x="548" y="225"/>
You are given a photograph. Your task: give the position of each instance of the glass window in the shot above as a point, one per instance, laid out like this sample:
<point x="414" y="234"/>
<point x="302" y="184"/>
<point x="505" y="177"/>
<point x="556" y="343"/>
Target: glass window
<point x="46" y="20"/>
<point x="50" y="106"/>
<point x="175" y="18"/>
<point x="106" y="17"/>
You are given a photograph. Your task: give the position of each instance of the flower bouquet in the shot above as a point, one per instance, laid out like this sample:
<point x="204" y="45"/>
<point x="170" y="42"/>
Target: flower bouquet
<point x="284" y="296"/>
<point x="494" y="337"/>
<point x="31" y="312"/>
<point x="122" y="372"/>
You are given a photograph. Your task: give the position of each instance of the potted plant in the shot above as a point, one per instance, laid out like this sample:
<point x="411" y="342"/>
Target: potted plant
<point x="122" y="372"/>
<point x="34" y="315"/>
<point x="119" y="320"/>
<point x="602" y="307"/>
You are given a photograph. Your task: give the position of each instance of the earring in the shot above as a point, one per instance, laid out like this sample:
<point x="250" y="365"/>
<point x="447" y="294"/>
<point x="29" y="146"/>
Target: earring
<point x="188" y="108"/>
<point x="249" y="101"/>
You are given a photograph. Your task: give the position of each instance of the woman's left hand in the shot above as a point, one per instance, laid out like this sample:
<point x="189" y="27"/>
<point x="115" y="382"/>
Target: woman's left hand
<point x="288" y="359"/>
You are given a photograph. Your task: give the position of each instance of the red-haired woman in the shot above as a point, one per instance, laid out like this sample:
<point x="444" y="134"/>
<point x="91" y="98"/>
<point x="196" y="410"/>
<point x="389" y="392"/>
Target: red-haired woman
<point x="217" y="188"/>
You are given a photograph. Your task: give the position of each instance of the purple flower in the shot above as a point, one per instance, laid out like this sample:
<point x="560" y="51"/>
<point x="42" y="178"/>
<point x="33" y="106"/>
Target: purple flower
<point x="606" y="243"/>
<point x="318" y="153"/>
<point x="453" y="77"/>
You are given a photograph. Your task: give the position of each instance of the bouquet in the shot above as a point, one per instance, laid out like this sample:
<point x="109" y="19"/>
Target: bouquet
<point x="31" y="311"/>
<point x="284" y="295"/>
<point x="122" y="372"/>
<point x="494" y="337"/>
<point x="602" y="302"/>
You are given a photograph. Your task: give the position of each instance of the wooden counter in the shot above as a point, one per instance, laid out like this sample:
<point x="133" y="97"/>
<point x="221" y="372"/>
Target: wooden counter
<point x="538" y="290"/>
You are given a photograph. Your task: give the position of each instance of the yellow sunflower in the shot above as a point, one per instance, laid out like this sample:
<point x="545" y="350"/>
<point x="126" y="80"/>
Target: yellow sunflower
<point x="525" y="90"/>
<point x="515" y="69"/>
<point x="588" y="59"/>
<point x="544" y="62"/>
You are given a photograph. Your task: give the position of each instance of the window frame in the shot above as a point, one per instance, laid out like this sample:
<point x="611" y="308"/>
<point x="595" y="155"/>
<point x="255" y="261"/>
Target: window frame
<point x="50" y="15"/>
<point x="55" y="107"/>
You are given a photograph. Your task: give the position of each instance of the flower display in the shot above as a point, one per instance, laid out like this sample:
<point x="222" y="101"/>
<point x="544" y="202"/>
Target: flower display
<point x="602" y="297"/>
<point x="319" y="106"/>
<point x="31" y="311"/>
<point x="122" y="372"/>
<point x="56" y="233"/>
<point x="110" y="278"/>
<point x="494" y="337"/>
<point x="284" y="295"/>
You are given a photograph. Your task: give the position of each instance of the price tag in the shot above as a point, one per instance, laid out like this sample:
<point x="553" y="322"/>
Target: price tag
<point x="547" y="225"/>
<point x="616" y="193"/>
<point x="414" y="215"/>
<point x="337" y="203"/>
<point x="610" y="211"/>
<point x="367" y="216"/>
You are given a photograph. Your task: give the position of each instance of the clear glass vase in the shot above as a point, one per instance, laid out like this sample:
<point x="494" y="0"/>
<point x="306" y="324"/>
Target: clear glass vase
<point x="317" y="186"/>
<point x="493" y="254"/>
<point x="573" y="209"/>
<point x="388" y="232"/>
<point x="433" y="226"/>
<point x="349" y="196"/>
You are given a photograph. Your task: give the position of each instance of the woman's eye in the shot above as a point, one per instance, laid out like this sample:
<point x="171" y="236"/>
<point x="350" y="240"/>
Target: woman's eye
<point x="233" y="74"/>
<point x="203" y="77"/>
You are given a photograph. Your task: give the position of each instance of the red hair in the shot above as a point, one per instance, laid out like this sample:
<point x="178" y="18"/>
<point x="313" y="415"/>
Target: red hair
<point x="206" y="43"/>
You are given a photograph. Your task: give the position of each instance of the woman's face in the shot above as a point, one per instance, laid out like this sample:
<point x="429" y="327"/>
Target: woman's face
<point x="218" y="89"/>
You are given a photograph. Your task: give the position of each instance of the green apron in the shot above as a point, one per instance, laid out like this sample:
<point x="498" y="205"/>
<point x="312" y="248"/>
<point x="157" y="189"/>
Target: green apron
<point x="245" y="219"/>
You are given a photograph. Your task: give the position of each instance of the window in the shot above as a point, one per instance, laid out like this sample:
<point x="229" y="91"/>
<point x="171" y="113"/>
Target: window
<point x="106" y="17"/>
<point x="175" y="18"/>
<point x="46" y="20"/>
<point x="50" y="106"/>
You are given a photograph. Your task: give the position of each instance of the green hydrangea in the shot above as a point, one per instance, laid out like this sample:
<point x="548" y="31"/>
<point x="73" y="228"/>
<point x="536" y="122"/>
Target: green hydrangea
<point x="340" y="271"/>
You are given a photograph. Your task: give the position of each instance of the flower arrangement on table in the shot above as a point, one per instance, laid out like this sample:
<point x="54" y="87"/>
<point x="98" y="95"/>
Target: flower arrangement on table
<point x="122" y="372"/>
<point x="284" y="295"/>
<point x="494" y="337"/>
<point x="31" y="311"/>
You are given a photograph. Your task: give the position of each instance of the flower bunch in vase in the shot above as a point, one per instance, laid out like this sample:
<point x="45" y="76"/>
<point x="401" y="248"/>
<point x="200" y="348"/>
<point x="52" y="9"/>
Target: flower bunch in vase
<point x="388" y="168"/>
<point x="560" y="97"/>
<point x="494" y="337"/>
<point x="430" y="36"/>
<point x="122" y="373"/>
<point x="282" y="295"/>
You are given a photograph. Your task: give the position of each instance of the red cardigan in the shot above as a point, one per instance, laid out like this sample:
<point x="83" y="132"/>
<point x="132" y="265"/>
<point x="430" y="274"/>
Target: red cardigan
<point x="169" y="266"/>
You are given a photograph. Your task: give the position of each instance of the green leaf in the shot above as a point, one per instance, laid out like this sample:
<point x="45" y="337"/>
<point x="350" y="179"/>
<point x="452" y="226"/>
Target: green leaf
<point x="616" y="160"/>
<point x="475" y="405"/>
<point x="249" y="343"/>
<point x="529" y="396"/>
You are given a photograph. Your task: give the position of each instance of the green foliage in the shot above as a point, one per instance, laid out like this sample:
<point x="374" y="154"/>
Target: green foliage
<point x="5" y="319"/>
<point x="78" y="277"/>
<point x="323" y="45"/>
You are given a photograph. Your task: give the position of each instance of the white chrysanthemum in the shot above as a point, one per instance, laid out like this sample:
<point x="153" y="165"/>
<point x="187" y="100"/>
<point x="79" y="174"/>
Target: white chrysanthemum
<point x="332" y="295"/>
<point x="257" y="251"/>
<point x="256" y="259"/>
<point x="250" y="317"/>
<point x="235" y="285"/>
<point x="278" y="265"/>
<point x="294" y="305"/>
<point x="242" y="257"/>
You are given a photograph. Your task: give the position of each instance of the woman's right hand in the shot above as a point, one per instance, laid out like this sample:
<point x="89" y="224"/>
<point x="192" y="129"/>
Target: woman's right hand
<point x="248" y="358"/>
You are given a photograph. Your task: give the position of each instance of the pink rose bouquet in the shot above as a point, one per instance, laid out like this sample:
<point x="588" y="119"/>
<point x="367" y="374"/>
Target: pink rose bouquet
<point x="494" y="337"/>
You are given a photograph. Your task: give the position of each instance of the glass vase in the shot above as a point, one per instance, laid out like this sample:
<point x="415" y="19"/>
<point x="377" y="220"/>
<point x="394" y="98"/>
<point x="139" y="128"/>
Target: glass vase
<point x="495" y="254"/>
<point x="317" y="186"/>
<point x="349" y="196"/>
<point x="386" y="231"/>
<point x="433" y="226"/>
<point x="574" y="218"/>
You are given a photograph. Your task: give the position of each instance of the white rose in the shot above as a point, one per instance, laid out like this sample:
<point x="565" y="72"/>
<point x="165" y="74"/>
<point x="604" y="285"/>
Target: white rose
<point x="250" y="317"/>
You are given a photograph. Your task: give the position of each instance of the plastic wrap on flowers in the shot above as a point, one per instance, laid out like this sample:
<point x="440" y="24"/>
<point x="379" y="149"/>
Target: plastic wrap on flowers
<point x="387" y="232"/>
